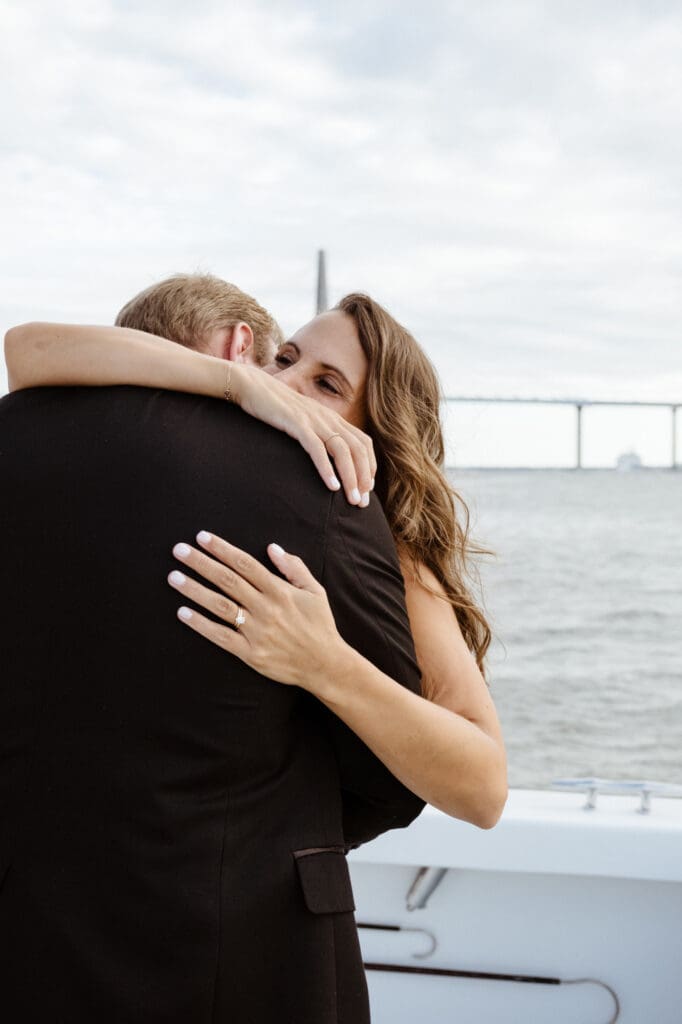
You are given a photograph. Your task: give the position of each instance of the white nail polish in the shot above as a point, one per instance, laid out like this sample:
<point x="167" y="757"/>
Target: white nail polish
<point x="334" y="483"/>
<point x="355" y="494"/>
<point x="364" y="502"/>
<point x="184" y="613"/>
<point x="277" y="550"/>
<point x="181" y="550"/>
<point x="177" y="578"/>
<point x="203" y="537"/>
<point x="371" y="486"/>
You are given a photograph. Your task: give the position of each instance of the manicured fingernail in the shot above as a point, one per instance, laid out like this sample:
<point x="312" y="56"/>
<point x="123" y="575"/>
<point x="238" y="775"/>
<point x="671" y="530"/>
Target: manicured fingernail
<point x="177" y="578"/>
<point x="334" y="483"/>
<point x="371" y="486"/>
<point x="181" y="550"/>
<point x="203" y="537"/>
<point x="277" y="550"/>
<point x="364" y="501"/>
<point x="184" y="613"/>
<point x="355" y="495"/>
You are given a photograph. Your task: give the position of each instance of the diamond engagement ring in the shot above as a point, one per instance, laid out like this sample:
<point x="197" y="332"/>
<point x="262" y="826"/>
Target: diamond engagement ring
<point x="240" y="619"/>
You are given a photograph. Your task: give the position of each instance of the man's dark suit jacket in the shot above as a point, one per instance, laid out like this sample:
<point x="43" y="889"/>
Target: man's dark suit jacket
<point x="171" y="834"/>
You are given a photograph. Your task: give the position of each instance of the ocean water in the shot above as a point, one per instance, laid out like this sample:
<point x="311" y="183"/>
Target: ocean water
<point x="585" y="597"/>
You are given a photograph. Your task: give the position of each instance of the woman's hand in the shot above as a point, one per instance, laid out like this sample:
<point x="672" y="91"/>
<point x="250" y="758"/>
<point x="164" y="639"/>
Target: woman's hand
<point x="284" y="630"/>
<point x="318" y="429"/>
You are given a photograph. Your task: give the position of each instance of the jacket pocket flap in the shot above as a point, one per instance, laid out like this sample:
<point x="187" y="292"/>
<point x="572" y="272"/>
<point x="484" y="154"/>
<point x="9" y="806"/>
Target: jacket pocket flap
<point x="325" y="880"/>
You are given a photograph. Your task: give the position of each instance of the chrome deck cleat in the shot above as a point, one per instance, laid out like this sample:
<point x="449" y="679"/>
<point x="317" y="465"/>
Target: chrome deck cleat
<point x="621" y="787"/>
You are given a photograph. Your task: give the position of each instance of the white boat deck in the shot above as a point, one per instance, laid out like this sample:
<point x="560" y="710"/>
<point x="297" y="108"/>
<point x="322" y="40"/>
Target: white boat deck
<point x="553" y="892"/>
<point x="548" y="832"/>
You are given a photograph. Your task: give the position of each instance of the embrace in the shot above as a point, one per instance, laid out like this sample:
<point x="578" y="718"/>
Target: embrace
<point x="237" y="640"/>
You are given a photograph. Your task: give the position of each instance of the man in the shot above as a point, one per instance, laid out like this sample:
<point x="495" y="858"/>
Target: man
<point x="174" y="825"/>
<point x="204" y="312"/>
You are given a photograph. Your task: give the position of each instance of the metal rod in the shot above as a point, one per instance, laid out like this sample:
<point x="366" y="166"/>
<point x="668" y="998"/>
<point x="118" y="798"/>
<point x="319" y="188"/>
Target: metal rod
<point x="579" y="437"/>
<point x="447" y="972"/>
<point x="488" y="976"/>
<point x="426" y="881"/>
<point x="322" y="304"/>
<point x="433" y="942"/>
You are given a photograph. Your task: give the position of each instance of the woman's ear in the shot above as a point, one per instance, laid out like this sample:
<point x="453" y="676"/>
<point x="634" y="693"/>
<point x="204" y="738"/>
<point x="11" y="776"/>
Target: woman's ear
<point x="238" y="345"/>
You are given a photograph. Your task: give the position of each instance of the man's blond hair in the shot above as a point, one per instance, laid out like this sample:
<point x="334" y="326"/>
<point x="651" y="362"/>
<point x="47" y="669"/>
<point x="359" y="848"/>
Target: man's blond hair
<point x="187" y="307"/>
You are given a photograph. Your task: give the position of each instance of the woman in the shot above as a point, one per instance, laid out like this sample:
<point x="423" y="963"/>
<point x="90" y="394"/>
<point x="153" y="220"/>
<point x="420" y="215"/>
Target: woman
<point x="365" y="371"/>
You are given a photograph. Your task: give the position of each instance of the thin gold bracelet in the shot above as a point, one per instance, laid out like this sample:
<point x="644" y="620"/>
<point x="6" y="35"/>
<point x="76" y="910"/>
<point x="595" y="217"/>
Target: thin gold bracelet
<point x="228" y="389"/>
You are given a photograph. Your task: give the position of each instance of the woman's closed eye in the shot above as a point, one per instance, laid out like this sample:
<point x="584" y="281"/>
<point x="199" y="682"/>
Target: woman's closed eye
<point x="324" y="382"/>
<point x="327" y="385"/>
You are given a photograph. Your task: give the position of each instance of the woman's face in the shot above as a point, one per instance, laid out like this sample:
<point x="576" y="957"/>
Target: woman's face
<point x="324" y="360"/>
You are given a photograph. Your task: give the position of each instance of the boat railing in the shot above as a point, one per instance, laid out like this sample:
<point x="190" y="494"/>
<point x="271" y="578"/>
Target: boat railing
<point x="638" y="787"/>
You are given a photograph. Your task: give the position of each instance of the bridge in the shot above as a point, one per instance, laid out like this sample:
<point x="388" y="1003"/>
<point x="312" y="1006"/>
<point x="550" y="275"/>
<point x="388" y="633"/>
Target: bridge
<point x="579" y="404"/>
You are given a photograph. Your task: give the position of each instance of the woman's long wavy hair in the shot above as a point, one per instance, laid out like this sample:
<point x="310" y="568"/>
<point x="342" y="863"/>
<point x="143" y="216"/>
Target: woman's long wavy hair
<point x="429" y="520"/>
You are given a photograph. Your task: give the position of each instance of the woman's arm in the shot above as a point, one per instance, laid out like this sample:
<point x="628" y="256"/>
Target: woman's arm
<point x="54" y="355"/>
<point x="453" y="684"/>
<point x="448" y="750"/>
<point x="43" y="354"/>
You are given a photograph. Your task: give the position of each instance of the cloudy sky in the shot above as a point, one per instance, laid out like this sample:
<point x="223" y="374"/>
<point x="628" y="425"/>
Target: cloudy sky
<point x="504" y="176"/>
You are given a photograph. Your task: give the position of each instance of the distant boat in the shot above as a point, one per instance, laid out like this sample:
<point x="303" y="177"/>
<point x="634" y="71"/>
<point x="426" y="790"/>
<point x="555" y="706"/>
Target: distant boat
<point x="628" y="461"/>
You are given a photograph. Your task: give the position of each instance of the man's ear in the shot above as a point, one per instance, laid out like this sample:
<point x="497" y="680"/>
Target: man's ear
<point x="238" y="345"/>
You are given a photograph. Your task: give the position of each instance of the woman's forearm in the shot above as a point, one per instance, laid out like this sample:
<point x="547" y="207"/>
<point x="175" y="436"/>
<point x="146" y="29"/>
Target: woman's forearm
<point x="44" y="354"/>
<point x="441" y="756"/>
